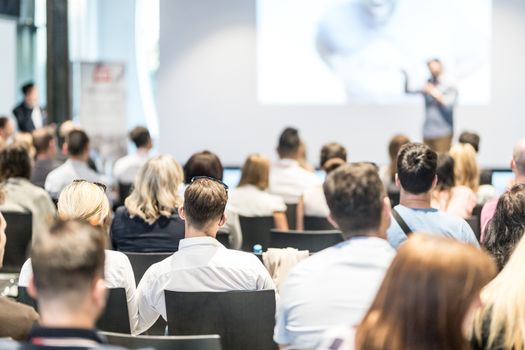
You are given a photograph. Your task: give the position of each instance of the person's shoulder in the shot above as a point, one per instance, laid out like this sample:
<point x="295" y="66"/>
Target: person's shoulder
<point x="8" y="344"/>
<point x="16" y="311"/>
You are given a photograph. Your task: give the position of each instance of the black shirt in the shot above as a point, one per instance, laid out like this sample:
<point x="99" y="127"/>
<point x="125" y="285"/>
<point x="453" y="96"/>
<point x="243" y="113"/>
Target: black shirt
<point x="135" y="235"/>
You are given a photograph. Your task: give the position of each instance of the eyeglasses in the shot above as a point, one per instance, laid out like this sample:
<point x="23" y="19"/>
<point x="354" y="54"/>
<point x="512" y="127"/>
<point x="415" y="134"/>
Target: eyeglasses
<point x="210" y="178"/>
<point x="101" y="185"/>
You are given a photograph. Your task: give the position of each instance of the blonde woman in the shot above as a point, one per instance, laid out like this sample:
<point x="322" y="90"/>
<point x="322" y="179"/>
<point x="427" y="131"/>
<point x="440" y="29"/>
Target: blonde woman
<point x="149" y="220"/>
<point x="466" y="170"/>
<point x="501" y="322"/>
<point x="88" y="201"/>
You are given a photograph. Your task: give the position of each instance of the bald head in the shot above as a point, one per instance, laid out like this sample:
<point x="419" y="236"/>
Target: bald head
<point x="518" y="158"/>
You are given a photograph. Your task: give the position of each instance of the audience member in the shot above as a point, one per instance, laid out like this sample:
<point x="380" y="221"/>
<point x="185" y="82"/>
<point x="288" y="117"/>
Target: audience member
<point x="251" y="198"/>
<point x="28" y="114"/>
<point x="149" y="220"/>
<point x="287" y="178"/>
<point x="6" y="131"/>
<point x="337" y="285"/>
<point x="25" y="139"/>
<point x="500" y="324"/>
<point x="15" y="319"/>
<point x="414" y="309"/>
<point x="313" y="201"/>
<point x="203" y="163"/>
<point x="447" y="196"/>
<point x="471" y="138"/>
<point x="506" y="228"/>
<point x="83" y="200"/>
<point x="466" y="170"/>
<point x="517" y="165"/>
<point x="68" y="283"/>
<point x="75" y="167"/>
<point x="416" y="178"/>
<point x="20" y="194"/>
<point x="46" y="151"/>
<point x="128" y="167"/>
<point x="201" y="263"/>
<point x="388" y="172"/>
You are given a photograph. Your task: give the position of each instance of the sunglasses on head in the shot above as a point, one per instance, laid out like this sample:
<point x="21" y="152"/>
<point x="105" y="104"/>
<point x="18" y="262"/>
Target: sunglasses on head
<point x="101" y="185"/>
<point x="209" y="178"/>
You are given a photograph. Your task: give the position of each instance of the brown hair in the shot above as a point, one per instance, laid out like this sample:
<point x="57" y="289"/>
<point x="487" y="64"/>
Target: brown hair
<point x="256" y="171"/>
<point x="333" y="155"/>
<point x="15" y="162"/>
<point x="42" y="139"/>
<point x="355" y="193"/>
<point x="425" y="296"/>
<point x="67" y="259"/>
<point x="203" y="163"/>
<point x="204" y="200"/>
<point x="466" y="169"/>
<point x="394" y="146"/>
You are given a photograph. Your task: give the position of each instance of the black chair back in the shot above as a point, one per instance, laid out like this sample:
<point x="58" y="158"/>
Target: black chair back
<point x="140" y="262"/>
<point x="255" y="230"/>
<point x="243" y="319"/>
<point x="124" y="191"/>
<point x="394" y="197"/>
<point x="312" y="241"/>
<point x="475" y="224"/>
<point x="317" y="223"/>
<point x="224" y="238"/>
<point x="291" y="215"/>
<point x="188" y="342"/>
<point x="19" y="232"/>
<point x="115" y="317"/>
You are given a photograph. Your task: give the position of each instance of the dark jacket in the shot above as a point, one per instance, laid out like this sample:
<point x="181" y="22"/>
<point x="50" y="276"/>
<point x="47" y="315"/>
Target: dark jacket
<point x="23" y="114"/>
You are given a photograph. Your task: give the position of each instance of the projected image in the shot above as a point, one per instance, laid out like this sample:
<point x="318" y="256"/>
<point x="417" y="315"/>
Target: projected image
<point x="333" y="52"/>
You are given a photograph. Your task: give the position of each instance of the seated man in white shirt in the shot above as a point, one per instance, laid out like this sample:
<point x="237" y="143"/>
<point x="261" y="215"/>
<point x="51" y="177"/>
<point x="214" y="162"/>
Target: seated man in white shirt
<point x="201" y="264"/>
<point x="75" y="168"/>
<point x="337" y="285"/>
<point x="127" y="167"/>
<point x="287" y="178"/>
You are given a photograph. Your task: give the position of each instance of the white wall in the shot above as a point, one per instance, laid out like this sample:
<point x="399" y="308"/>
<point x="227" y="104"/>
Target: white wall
<point x="207" y="92"/>
<point x="8" y="65"/>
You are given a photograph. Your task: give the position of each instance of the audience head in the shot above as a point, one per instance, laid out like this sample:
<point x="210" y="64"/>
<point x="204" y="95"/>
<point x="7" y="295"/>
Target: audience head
<point x="470" y="138"/>
<point x="445" y="172"/>
<point x="518" y="159"/>
<point x="30" y="93"/>
<point x="6" y="128"/>
<point x="78" y="144"/>
<point x="25" y="140"/>
<point x="333" y="155"/>
<point x="415" y="308"/>
<point x="14" y="162"/>
<point x="204" y="203"/>
<point x="84" y="200"/>
<point x="416" y="168"/>
<point x="44" y="142"/>
<point x="357" y="200"/>
<point x="289" y="144"/>
<point x="394" y="146"/>
<point x="203" y="163"/>
<point x="155" y="192"/>
<point x="140" y="137"/>
<point x="507" y="226"/>
<point x="256" y="172"/>
<point x="65" y="128"/>
<point x="68" y="272"/>
<point x="466" y="170"/>
<point x="435" y="67"/>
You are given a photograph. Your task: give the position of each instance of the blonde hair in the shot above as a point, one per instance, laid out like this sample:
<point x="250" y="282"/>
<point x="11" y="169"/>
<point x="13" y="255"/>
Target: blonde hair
<point x="504" y="306"/>
<point x="84" y="200"/>
<point x="466" y="170"/>
<point x="155" y="191"/>
<point x="256" y="171"/>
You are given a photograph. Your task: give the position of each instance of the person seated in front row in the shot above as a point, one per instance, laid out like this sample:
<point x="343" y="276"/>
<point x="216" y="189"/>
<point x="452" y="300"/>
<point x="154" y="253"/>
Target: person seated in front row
<point x="149" y="220"/>
<point x="127" y="167"/>
<point x="45" y="159"/>
<point x="201" y="263"/>
<point x="68" y="284"/>
<point x="87" y="201"/>
<point x="416" y="178"/>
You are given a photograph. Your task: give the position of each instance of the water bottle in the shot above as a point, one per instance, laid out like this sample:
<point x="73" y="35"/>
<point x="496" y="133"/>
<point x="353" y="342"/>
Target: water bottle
<point x="257" y="249"/>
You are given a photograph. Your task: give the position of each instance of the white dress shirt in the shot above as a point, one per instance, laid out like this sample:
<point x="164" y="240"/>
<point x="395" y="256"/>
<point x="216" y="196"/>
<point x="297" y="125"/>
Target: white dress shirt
<point x="333" y="287"/>
<point x="118" y="273"/>
<point x="289" y="180"/>
<point x="315" y="202"/>
<point x="127" y="168"/>
<point x="68" y="172"/>
<point x="36" y="116"/>
<point x="201" y="264"/>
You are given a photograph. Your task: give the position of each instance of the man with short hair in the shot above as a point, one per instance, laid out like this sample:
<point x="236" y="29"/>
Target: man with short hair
<point x="126" y="168"/>
<point x="46" y="151"/>
<point x="201" y="264"/>
<point x="416" y="177"/>
<point x="28" y="114"/>
<point x="517" y="164"/>
<point x="337" y="285"/>
<point x="75" y="168"/>
<point x="287" y="178"/>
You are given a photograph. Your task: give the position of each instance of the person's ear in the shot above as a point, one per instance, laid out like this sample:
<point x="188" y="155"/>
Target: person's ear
<point x="434" y="182"/>
<point x="513" y="165"/>
<point x="31" y="288"/>
<point x="99" y="294"/>
<point x="223" y="220"/>
<point x="182" y="213"/>
<point x="397" y="182"/>
<point x="332" y="221"/>
<point x="386" y="213"/>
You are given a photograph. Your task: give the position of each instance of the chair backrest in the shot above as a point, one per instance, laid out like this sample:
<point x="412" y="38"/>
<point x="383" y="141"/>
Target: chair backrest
<point x="224" y="238"/>
<point x="19" y="232"/>
<point x="124" y="191"/>
<point x="255" y="230"/>
<point x="291" y="215"/>
<point x="181" y="342"/>
<point x="115" y="317"/>
<point x="243" y="319"/>
<point x="317" y="223"/>
<point x="394" y="197"/>
<point x="312" y="241"/>
<point x="475" y="224"/>
<point x="140" y="262"/>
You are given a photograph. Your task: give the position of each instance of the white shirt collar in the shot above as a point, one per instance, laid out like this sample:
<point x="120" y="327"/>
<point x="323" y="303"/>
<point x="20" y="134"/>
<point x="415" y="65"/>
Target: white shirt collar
<point x="286" y="162"/>
<point x="196" y="241"/>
